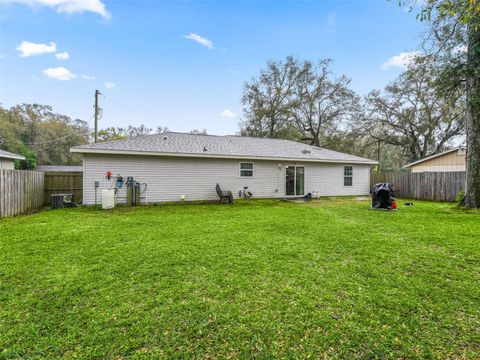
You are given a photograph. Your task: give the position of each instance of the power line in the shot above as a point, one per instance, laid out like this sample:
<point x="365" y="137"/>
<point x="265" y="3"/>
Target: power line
<point x="121" y="107"/>
<point x="57" y="139"/>
<point x="54" y="140"/>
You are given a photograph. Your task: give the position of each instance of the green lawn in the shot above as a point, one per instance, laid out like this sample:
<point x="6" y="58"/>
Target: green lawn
<point x="264" y="279"/>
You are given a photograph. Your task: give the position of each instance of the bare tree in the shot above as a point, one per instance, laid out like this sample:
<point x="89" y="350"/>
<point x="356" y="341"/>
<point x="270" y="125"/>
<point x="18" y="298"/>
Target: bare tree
<point x="199" y="132"/>
<point x="133" y="131"/>
<point x="296" y="100"/>
<point x="112" y="133"/>
<point x="269" y="100"/>
<point x="323" y="102"/>
<point x="116" y="133"/>
<point x="412" y="115"/>
<point x="161" y="129"/>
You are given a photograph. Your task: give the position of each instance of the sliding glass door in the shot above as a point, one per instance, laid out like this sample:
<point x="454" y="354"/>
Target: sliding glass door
<point x="299" y="180"/>
<point x="290" y="180"/>
<point x="294" y="180"/>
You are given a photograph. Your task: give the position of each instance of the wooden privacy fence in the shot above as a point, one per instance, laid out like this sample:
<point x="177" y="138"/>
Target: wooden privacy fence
<point x="20" y="191"/>
<point x="436" y="186"/>
<point x="59" y="182"/>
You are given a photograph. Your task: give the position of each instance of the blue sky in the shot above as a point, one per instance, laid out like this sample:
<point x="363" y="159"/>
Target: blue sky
<point x="140" y="56"/>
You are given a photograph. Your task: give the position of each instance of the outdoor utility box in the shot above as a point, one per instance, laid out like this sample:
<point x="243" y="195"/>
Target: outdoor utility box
<point x="60" y="201"/>
<point x="383" y="196"/>
<point x="108" y="199"/>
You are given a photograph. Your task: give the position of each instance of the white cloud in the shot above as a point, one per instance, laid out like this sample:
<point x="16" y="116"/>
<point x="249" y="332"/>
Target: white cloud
<point x="403" y="60"/>
<point x="27" y="48"/>
<point x="87" y="77"/>
<point x="62" y="56"/>
<point x="200" y="39"/>
<point x="68" y="6"/>
<point x="110" y="85"/>
<point x="228" y="114"/>
<point x="59" y="73"/>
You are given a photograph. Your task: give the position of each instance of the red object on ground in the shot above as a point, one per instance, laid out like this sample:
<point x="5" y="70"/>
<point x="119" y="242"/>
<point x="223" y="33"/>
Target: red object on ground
<point x="109" y="174"/>
<point x="394" y="205"/>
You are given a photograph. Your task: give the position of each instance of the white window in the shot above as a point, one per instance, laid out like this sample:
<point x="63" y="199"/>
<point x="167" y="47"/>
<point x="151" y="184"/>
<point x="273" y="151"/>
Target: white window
<point x="246" y="169"/>
<point x="348" y="175"/>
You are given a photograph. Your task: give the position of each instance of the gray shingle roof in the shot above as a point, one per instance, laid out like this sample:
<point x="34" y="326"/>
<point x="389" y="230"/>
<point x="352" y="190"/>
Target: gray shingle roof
<point x="8" y="155"/>
<point x="173" y="143"/>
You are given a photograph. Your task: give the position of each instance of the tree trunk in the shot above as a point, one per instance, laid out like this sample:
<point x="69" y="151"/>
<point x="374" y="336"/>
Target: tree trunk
<point x="315" y="139"/>
<point x="472" y="193"/>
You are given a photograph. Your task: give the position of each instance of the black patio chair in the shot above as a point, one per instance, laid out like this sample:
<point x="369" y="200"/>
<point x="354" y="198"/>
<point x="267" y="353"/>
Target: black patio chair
<point x="225" y="196"/>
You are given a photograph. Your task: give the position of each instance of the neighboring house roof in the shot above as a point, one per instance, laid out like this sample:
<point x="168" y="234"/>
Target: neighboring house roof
<point x="8" y="155"/>
<point x="212" y="146"/>
<point x="433" y="156"/>
<point x="59" y="168"/>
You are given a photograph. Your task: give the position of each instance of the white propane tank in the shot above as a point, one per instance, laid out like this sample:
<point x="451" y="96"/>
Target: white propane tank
<point x="108" y="199"/>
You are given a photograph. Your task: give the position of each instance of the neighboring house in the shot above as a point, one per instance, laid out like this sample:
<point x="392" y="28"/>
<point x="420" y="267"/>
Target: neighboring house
<point x="177" y="166"/>
<point x="59" y="168"/>
<point x="448" y="161"/>
<point x="7" y="160"/>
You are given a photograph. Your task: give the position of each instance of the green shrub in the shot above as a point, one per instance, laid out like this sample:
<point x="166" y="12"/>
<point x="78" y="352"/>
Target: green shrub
<point x="30" y="161"/>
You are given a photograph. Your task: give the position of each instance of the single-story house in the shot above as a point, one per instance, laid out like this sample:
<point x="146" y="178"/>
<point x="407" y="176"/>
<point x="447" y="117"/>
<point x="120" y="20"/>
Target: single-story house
<point x="451" y="160"/>
<point x="7" y="160"/>
<point x="177" y="166"/>
<point x="59" y="168"/>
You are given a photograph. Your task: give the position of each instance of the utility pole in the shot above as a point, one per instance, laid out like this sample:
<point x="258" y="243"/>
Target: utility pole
<point x="96" y="114"/>
<point x="378" y="152"/>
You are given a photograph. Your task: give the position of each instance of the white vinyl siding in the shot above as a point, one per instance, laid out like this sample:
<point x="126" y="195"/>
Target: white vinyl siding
<point x="7" y="164"/>
<point x="453" y="161"/>
<point x="327" y="179"/>
<point x="168" y="178"/>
